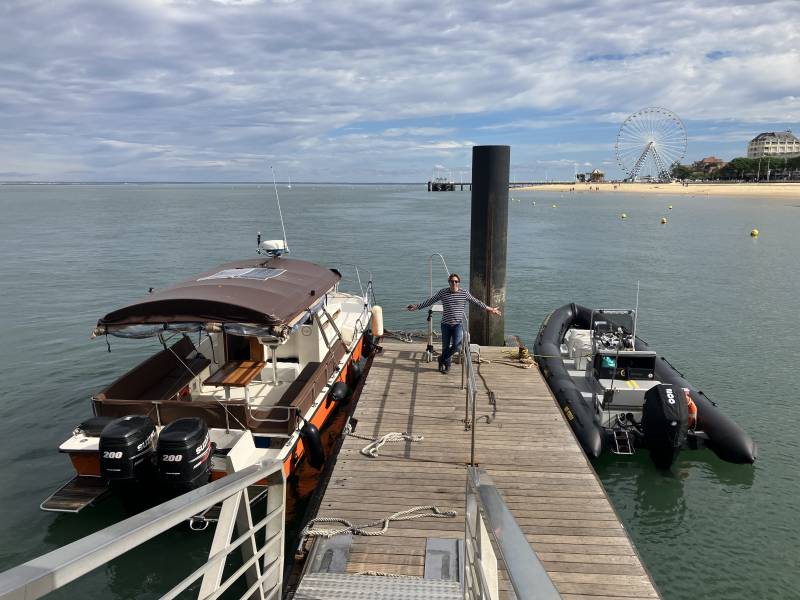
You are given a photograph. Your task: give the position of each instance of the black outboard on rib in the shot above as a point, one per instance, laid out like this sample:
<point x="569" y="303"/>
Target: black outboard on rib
<point x="619" y="395"/>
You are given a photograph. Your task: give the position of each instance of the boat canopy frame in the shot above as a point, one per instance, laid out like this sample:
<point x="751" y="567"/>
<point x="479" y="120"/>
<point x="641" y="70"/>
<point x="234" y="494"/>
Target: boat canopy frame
<point x="227" y="299"/>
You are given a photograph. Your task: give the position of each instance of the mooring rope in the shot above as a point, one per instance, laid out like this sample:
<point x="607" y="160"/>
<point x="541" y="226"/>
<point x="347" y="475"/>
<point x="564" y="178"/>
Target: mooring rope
<point x="371" y="449"/>
<point x="403" y="515"/>
<point x="408" y="336"/>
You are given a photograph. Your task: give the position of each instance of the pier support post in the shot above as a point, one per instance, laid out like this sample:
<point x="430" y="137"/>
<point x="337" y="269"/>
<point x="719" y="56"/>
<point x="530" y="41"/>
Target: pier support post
<point x="489" y="241"/>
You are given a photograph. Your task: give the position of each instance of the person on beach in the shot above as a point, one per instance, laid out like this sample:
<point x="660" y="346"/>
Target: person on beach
<point x="453" y="299"/>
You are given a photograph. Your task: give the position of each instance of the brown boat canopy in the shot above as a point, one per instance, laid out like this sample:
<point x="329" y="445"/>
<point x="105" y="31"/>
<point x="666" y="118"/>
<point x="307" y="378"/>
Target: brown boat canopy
<point x="269" y="294"/>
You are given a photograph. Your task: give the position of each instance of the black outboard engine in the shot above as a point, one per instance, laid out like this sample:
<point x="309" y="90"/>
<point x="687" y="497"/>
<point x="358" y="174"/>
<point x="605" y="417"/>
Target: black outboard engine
<point x="126" y="450"/>
<point x="184" y="456"/>
<point x="665" y="417"/>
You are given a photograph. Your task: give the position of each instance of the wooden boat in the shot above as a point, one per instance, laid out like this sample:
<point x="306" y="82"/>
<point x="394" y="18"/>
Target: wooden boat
<point x="256" y="356"/>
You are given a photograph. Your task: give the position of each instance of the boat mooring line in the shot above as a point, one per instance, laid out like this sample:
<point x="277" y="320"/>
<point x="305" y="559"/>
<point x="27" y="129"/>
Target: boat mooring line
<point x="371" y="449"/>
<point x="404" y="515"/>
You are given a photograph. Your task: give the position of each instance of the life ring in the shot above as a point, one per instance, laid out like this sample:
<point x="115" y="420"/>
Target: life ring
<point x="692" y="420"/>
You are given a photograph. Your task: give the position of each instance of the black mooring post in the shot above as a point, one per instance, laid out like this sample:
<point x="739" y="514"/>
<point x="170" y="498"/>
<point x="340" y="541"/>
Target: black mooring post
<point x="488" y="242"/>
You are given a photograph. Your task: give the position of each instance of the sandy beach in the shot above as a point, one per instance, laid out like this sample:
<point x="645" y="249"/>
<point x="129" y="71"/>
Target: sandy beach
<point x="782" y="190"/>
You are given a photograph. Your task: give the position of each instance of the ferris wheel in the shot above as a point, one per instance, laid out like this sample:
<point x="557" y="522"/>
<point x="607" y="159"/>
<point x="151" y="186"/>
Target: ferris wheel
<point x="652" y="133"/>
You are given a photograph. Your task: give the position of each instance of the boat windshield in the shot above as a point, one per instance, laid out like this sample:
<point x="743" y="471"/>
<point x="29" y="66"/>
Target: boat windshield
<point x="609" y="321"/>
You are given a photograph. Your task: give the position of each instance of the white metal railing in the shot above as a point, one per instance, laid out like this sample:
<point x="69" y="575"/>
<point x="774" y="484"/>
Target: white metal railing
<point x="467" y="370"/>
<point x="364" y="320"/>
<point x="488" y="519"/>
<point x="261" y="544"/>
<point x="471" y="391"/>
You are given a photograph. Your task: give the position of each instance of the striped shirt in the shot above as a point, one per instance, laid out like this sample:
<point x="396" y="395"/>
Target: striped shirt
<point x="452" y="304"/>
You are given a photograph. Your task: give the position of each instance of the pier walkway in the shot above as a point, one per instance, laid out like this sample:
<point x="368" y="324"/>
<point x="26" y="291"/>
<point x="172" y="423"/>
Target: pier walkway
<point x="526" y="447"/>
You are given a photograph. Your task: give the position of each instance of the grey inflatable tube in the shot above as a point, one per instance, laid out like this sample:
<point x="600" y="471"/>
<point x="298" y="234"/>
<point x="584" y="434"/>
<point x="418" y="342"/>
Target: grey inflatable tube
<point x="585" y="424"/>
<point x="726" y="438"/>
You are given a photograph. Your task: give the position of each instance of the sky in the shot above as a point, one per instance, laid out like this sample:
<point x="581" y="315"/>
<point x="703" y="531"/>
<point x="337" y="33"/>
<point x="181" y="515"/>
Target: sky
<point x="383" y="91"/>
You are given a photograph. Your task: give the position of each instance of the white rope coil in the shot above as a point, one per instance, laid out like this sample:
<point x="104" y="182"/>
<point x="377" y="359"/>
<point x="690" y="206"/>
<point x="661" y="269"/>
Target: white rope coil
<point x="371" y="449"/>
<point x="404" y="515"/>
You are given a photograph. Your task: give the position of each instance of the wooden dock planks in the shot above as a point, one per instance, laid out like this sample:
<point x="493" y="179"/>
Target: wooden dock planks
<point x="525" y="445"/>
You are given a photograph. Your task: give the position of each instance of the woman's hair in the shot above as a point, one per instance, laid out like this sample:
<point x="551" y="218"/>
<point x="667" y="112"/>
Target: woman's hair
<point x="454" y="276"/>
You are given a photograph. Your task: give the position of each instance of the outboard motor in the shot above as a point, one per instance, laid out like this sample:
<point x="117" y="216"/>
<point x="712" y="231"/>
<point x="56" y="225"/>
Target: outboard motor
<point x="126" y="449"/>
<point x="184" y="456"/>
<point x="664" y="422"/>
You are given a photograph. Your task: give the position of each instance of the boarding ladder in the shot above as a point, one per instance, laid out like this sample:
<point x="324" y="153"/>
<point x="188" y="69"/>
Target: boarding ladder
<point x="622" y="442"/>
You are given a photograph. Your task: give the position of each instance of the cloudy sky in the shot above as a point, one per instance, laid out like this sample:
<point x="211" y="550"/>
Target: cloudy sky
<point x="218" y="90"/>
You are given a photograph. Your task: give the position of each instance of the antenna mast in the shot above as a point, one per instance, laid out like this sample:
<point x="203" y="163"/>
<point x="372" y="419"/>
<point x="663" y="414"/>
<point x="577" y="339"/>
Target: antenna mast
<point x="280" y="213"/>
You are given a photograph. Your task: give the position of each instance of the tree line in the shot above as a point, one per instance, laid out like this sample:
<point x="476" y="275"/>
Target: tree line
<point x="744" y="169"/>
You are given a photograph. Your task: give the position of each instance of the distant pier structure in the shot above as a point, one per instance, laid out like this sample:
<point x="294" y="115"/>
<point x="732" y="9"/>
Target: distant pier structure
<point x="443" y="184"/>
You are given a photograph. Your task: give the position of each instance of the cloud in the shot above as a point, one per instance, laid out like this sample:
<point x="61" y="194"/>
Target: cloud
<point x="216" y="89"/>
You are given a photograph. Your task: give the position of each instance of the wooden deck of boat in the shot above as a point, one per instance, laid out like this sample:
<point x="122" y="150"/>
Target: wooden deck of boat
<point x="528" y="449"/>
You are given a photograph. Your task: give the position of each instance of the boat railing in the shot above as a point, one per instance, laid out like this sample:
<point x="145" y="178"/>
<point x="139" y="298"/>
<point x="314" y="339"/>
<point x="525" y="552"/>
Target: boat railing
<point x="368" y="296"/>
<point x="260" y="546"/>
<point x="489" y="524"/>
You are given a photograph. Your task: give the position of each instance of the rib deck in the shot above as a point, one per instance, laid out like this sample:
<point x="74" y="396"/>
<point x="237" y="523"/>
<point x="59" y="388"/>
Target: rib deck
<point x="527" y="448"/>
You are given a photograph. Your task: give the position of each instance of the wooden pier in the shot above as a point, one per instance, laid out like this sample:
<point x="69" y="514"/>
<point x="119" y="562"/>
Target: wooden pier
<point x="523" y="442"/>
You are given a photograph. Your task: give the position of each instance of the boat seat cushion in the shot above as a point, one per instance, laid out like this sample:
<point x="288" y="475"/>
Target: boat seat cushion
<point x="156" y="376"/>
<point x="175" y="380"/>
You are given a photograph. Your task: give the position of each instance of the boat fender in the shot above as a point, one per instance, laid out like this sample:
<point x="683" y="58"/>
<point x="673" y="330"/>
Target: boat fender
<point x="356" y="369"/>
<point x="377" y="320"/>
<point x="312" y="440"/>
<point x="369" y="343"/>
<point x="339" y="392"/>
<point x="692" y="419"/>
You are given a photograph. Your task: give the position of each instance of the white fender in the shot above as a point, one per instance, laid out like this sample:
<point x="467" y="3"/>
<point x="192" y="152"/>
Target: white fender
<point x="377" y="321"/>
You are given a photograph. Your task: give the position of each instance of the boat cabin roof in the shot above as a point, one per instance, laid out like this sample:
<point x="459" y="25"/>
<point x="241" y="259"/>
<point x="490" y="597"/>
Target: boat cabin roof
<point x="271" y="293"/>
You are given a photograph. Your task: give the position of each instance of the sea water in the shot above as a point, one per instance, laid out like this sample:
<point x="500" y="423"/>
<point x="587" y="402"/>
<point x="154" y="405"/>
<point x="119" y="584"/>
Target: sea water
<point x="720" y="305"/>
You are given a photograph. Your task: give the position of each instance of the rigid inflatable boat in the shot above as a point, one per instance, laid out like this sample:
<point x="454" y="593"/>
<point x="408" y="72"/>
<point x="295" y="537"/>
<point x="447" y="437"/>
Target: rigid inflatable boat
<point x="618" y="395"/>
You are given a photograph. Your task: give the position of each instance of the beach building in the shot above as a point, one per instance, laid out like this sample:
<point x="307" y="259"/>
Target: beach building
<point x="597" y="176"/>
<point x="709" y="164"/>
<point x="774" y="143"/>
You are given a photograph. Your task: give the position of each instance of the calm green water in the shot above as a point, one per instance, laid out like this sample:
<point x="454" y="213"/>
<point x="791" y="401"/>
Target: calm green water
<point x="720" y="305"/>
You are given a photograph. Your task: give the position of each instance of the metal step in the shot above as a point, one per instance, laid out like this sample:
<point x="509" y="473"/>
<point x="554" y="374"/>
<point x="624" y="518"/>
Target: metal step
<point x="75" y="495"/>
<point x="338" y="586"/>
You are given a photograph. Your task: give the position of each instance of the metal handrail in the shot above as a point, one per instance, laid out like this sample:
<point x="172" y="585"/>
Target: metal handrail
<point x="525" y="571"/>
<point x="430" y="268"/>
<point x="471" y="389"/>
<point x="429" y="348"/>
<point x="466" y="359"/>
<point x="364" y="294"/>
<point x="55" y="569"/>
